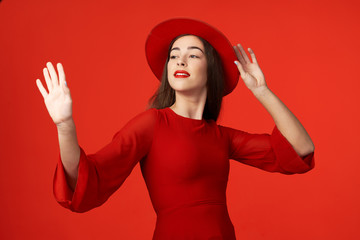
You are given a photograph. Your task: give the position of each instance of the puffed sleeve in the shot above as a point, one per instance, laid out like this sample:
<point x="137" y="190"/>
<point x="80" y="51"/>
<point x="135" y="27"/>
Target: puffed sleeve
<point x="272" y="153"/>
<point x="102" y="173"/>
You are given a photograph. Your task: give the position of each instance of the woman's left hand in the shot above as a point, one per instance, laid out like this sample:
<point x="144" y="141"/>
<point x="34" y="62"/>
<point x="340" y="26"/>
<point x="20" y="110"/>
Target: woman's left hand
<point x="250" y="72"/>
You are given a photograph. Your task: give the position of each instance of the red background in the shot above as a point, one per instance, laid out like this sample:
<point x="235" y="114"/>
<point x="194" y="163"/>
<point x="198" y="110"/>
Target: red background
<point x="308" y="51"/>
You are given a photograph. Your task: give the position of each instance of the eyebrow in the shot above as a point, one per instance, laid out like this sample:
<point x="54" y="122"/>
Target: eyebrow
<point x="191" y="47"/>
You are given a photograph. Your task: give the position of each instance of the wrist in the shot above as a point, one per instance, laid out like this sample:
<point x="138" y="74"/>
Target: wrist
<point x="66" y="126"/>
<point x="261" y="91"/>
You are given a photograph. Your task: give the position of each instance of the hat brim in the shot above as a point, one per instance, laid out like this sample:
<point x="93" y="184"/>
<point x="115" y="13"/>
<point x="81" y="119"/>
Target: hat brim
<point x="159" y="39"/>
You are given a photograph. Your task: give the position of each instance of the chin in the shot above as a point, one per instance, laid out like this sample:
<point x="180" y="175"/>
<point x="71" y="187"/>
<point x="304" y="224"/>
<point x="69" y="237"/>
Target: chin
<point x="181" y="86"/>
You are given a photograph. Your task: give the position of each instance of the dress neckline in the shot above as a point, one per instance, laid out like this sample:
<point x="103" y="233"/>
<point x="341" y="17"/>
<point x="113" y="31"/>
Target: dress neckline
<point x="185" y="118"/>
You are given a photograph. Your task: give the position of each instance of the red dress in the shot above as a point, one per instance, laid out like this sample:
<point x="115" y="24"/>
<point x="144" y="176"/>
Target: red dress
<point x="185" y="165"/>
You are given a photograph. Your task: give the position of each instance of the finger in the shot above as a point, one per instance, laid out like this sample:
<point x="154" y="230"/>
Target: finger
<point x="243" y="53"/>
<point x="61" y="72"/>
<point x="41" y="88"/>
<point x="54" y="78"/>
<point x="240" y="68"/>
<point x="239" y="56"/>
<point x="252" y="54"/>
<point x="48" y="80"/>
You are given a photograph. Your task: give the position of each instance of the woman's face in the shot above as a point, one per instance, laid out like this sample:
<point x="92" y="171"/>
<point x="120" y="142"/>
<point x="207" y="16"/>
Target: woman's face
<point x="187" y="66"/>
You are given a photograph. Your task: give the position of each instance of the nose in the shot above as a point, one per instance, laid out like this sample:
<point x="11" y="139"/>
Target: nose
<point x="181" y="62"/>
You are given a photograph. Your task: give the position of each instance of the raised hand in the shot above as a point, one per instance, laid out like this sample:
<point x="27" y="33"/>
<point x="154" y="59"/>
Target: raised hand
<point x="250" y="72"/>
<point x="58" y="101"/>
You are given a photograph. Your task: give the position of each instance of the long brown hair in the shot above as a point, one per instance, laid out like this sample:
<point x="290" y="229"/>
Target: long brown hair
<point x="165" y="96"/>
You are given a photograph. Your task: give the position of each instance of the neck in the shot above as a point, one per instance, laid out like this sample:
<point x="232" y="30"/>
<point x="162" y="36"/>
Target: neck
<point x="189" y="106"/>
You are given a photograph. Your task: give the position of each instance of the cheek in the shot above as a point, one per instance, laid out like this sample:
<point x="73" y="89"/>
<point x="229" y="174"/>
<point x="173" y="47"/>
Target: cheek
<point x="203" y="71"/>
<point x="169" y="69"/>
<point x="168" y="73"/>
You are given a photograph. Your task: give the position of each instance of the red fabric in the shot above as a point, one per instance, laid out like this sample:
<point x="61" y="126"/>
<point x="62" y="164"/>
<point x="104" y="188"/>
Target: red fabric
<point x="185" y="165"/>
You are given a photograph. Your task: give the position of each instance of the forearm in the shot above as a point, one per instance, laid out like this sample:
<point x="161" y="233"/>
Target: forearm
<point x="69" y="151"/>
<point x="286" y="122"/>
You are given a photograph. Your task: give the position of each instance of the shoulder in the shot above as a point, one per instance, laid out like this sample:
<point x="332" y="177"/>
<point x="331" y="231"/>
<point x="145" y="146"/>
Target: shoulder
<point x="224" y="129"/>
<point x="144" y="119"/>
<point x="150" y="114"/>
<point x="142" y="123"/>
<point x="230" y="132"/>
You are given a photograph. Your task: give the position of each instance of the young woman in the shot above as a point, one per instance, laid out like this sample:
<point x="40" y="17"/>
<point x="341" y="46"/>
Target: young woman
<point x="183" y="153"/>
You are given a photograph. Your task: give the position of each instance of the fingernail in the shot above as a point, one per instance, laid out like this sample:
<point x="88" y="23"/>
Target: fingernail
<point x="65" y="83"/>
<point x="236" y="63"/>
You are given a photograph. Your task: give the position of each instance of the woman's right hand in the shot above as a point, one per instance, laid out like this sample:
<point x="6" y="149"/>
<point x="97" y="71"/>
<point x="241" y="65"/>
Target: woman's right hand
<point x="58" y="101"/>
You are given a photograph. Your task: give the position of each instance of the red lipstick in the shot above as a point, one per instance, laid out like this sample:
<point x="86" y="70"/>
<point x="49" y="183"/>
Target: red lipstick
<point x="181" y="74"/>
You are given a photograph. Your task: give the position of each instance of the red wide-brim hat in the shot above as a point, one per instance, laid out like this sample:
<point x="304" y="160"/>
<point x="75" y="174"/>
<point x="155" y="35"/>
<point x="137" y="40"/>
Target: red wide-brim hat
<point x="160" y="37"/>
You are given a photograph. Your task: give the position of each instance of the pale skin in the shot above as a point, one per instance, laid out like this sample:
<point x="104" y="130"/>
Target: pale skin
<point x="188" y="53"/>
<point x="190" y="92"/>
